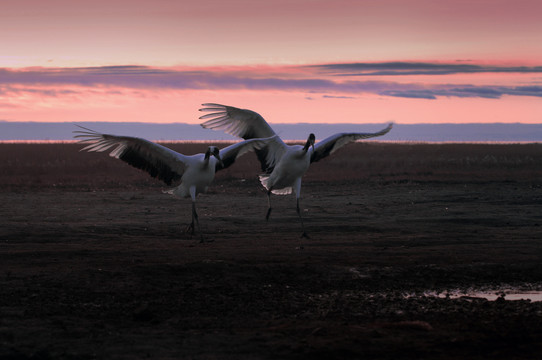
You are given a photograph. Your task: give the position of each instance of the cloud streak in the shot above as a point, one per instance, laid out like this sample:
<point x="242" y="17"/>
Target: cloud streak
<point x="331" y="80"/>
<point x="418" y="68"/>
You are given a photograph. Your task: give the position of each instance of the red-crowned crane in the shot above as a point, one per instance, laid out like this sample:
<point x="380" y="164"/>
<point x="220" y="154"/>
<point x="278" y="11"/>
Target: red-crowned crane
<point x="284" y="165"/>
<point x="195" y="172"/>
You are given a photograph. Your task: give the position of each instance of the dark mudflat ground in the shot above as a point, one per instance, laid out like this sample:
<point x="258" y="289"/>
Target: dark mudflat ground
<point x="95" y="263"/>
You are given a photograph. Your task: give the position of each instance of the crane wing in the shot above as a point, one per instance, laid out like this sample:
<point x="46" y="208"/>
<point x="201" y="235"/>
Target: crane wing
<point x="246" y="124"/>
<point x="229" y="154"/>
<point x="157" y="160"/>
<point x="331" y="144"/>
<point x="242" y="123"/>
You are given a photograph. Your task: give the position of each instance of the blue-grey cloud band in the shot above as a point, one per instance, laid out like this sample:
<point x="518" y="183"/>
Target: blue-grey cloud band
<point x="317" y="81"/>
<point x="418" y="68"/>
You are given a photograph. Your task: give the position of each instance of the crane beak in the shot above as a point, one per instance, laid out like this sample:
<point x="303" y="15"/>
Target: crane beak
<point x="310" y="142"/>
<point x="217" y="156"/>
<point x="216" y="153"/>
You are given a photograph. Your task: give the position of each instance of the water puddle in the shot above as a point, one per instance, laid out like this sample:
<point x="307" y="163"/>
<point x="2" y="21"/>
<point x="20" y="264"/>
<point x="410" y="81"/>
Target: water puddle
<point x="491" y="295"/>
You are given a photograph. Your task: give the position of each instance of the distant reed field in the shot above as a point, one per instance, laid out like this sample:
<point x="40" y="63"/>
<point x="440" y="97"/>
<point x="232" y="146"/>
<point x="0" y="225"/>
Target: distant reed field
<point x="63" y="165"/>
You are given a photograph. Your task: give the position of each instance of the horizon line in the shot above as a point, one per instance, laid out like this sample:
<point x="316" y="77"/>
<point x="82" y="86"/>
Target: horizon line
<point x="270" y="122"/>
<point x="288" y="141"/>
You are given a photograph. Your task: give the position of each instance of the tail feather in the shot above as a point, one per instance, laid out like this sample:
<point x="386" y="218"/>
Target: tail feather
<point x="264" y="179"/>
<point x="283" y="191"/>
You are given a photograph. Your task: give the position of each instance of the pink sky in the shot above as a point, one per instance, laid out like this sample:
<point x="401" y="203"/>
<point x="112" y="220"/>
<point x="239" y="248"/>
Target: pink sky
<point x="292" y="61"/>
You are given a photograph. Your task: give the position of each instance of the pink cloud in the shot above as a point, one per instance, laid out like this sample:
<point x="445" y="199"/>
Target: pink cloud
<point x="402" y="92"/>
<point x="329" y="79"/>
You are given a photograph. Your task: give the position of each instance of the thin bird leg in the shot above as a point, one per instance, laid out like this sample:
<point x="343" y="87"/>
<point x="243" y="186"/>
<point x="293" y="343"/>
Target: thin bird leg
<point x="269" y="205"/>
<point x="195" y="218"/>
<point x="304" y="234"/>
<point x="297" y="190"/>
<point x="190" y="228"/>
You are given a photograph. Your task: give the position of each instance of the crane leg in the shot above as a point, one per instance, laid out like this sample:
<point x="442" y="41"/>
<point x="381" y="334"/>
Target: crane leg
<point x="304" y="234"/>
<point x="195" y="220"/>
<point x="191" y="228"/>
<point x="268" y="205"/>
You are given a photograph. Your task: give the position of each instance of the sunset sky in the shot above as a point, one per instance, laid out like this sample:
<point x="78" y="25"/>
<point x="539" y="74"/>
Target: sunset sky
<point x="417" y="61"/>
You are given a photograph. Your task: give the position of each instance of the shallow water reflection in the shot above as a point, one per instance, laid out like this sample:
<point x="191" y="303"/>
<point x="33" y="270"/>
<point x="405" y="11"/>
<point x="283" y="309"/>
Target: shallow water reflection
<point x="491" y="295"/>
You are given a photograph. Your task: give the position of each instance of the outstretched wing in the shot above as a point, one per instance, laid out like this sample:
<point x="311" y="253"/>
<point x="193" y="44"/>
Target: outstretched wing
<point x="159" y="161"/>
<point x="229" y="154"/>
<point x="331" y="144"/>
<point x="245" y="124"/>
<point x="242" y="123"/>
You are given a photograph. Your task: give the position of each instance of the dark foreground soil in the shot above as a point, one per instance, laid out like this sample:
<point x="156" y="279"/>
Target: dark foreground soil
<point x="95" y="263"/>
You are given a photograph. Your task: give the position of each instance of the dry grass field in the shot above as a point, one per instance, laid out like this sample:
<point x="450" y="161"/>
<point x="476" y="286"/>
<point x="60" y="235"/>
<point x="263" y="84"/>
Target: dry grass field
<point x="95" y="263"/>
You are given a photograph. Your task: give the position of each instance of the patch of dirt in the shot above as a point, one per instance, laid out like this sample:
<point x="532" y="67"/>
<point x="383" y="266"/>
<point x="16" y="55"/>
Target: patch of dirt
<point x="95" y="263"/>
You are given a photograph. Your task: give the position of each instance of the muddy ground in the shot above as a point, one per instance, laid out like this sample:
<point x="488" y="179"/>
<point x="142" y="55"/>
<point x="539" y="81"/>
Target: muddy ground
<point x="95" y="263"/>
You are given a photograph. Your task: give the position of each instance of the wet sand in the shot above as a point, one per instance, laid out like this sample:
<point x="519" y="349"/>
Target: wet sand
<point x="95" y="263"/>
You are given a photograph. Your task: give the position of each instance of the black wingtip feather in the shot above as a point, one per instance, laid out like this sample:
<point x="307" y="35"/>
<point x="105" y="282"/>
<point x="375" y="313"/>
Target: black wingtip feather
<point x="158" y="169"/>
